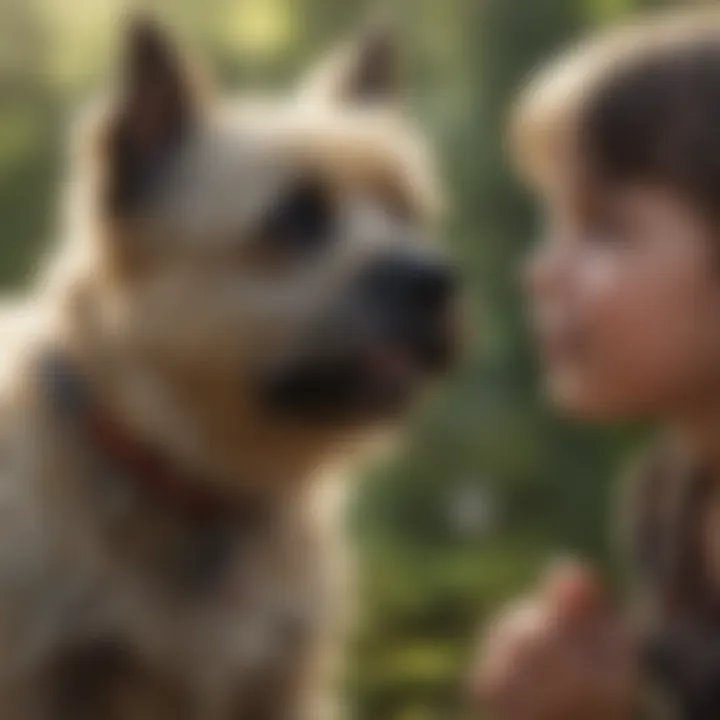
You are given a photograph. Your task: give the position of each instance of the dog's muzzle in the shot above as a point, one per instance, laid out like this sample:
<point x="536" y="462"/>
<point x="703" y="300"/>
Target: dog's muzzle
<point x="415" y="295"/>
<point x="393" y="327"/>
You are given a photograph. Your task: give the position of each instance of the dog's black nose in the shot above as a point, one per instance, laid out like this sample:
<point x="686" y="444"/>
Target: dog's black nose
<point x="418" y="283"/>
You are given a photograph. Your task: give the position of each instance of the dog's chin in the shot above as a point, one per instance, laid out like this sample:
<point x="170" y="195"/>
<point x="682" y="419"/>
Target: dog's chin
<point x="373" y="386"/>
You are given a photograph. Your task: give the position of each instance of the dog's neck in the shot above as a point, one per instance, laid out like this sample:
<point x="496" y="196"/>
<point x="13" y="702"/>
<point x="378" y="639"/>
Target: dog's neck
<point x="136" y="490"/>
<point x="195" y="417"/>
<point x="224" y="455"/>
<point x="142" y="417"/>
<point x="149" y="468"/>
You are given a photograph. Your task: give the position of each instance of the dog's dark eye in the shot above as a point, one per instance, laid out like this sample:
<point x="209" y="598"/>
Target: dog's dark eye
<point x="303" y="219"/>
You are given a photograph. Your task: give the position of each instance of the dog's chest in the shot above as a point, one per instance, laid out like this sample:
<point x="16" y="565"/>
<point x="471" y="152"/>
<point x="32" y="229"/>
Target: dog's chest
<point x="215" y="643"/>
<point x="259" y="613"/>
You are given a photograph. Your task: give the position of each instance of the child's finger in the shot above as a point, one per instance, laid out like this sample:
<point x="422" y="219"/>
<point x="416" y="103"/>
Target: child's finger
<point x="574" y="592"/>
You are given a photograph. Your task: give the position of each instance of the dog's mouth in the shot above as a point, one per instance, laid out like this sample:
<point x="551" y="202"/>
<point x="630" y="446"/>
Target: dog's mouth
<point x="378" y="380"/>
<point x="391" y="332"/>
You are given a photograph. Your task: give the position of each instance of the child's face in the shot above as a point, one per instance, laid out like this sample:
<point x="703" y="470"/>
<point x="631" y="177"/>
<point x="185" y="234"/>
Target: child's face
<point x="626" y="304"/>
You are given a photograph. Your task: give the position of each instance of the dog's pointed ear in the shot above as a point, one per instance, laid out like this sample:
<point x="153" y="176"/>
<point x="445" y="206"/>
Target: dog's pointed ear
<point x="155" y="107"/>
<point x="366" y="71"/>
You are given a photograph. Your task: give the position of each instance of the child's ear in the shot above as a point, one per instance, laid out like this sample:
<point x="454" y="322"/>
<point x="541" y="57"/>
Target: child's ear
<point x="366" y="71"/>
<point x="156" y="106"/>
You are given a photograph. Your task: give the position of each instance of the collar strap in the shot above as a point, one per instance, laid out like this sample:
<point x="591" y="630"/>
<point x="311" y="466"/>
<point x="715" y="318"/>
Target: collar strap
<point x="143" y="465"/>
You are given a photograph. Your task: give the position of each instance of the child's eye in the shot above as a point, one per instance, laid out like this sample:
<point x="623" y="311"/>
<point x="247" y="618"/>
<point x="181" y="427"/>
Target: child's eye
<point x="303" y="220"/>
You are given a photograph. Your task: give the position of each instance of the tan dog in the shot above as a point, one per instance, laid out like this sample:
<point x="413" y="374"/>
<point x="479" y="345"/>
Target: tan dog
<point x="244" y="291"/>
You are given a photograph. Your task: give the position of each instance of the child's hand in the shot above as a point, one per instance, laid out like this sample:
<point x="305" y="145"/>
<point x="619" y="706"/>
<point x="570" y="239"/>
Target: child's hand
<point x="559" y="654"/>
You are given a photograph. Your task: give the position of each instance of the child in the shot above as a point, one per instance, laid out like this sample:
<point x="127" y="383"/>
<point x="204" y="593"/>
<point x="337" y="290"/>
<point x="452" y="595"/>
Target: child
<point x="621" y="140"/>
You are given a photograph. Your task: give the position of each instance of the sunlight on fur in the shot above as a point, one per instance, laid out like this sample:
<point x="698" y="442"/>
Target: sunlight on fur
<point x="242" y="292"/>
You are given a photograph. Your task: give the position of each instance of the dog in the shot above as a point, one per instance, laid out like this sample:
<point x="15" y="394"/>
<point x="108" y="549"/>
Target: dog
<point x="245" y="292"/>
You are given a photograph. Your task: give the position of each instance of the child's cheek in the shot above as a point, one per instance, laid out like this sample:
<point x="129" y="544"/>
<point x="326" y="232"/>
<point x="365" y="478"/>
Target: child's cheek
<point x="649" y="336"/>
<point x="614" y="352"/>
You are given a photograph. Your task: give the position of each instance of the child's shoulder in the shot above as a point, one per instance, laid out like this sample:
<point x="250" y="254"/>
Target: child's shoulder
<point x="661" y="506"/>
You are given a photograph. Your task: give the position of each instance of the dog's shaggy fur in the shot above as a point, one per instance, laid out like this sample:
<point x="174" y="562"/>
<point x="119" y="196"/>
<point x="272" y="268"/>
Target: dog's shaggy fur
<point x="197" y="305"/>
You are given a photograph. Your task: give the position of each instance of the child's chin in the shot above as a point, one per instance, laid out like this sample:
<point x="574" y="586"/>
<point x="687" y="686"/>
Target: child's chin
<point x="577" y="400"/>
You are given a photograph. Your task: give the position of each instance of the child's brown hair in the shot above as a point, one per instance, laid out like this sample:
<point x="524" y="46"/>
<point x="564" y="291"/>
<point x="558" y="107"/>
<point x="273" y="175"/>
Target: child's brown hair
<point x="639" y="104"/>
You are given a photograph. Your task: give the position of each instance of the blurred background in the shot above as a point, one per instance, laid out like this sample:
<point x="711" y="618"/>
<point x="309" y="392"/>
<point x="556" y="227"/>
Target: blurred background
<point x="489" y="484"/>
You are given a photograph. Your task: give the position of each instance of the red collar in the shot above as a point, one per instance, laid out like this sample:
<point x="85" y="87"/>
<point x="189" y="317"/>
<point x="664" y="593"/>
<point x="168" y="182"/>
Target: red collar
<point x="158" y="478"/>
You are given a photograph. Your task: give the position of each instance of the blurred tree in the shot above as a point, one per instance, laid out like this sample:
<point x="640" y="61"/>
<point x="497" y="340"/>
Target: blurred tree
<point x="527" y="486"/>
